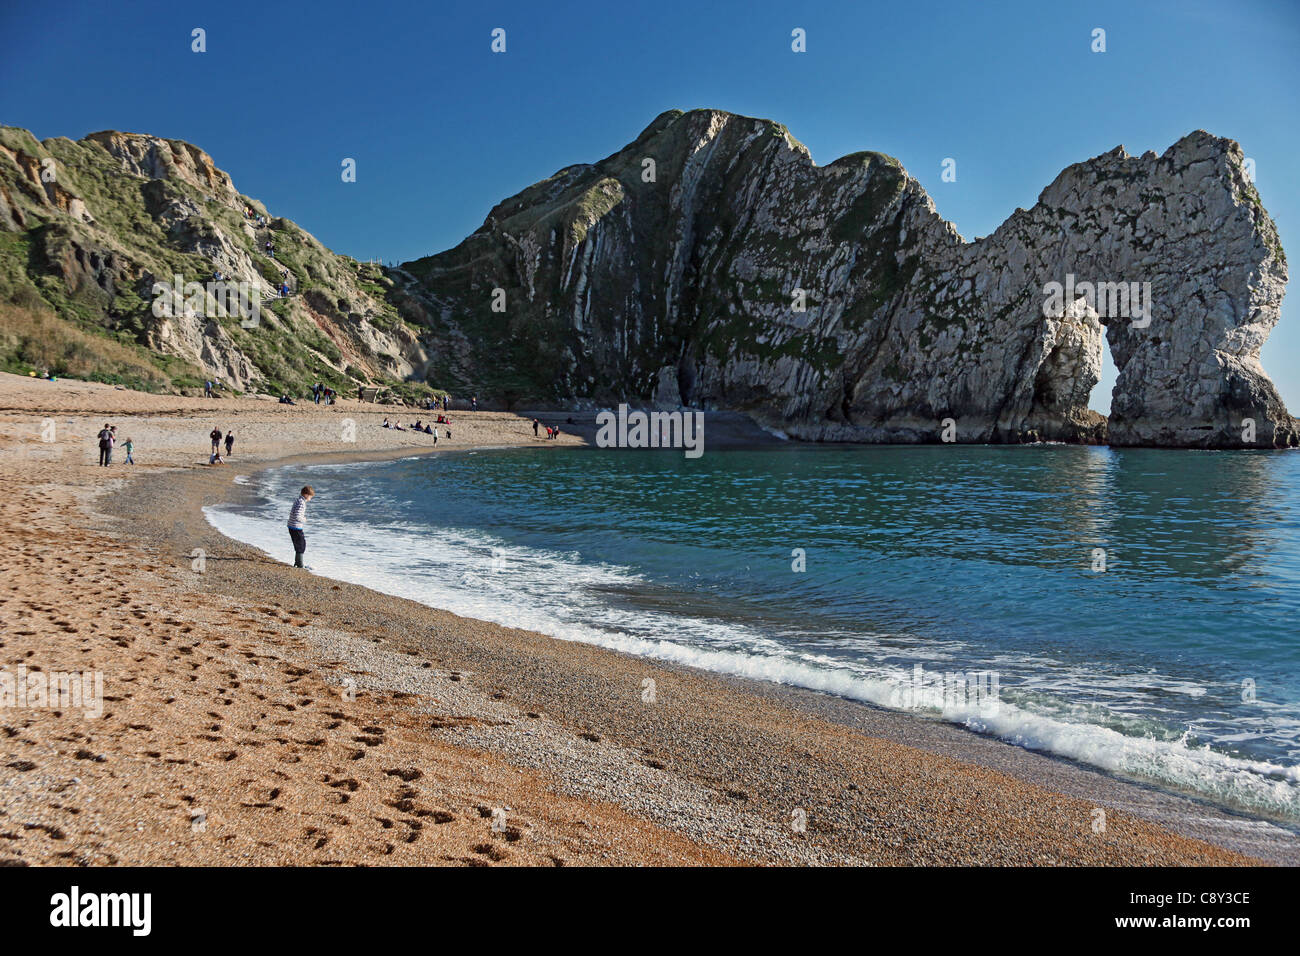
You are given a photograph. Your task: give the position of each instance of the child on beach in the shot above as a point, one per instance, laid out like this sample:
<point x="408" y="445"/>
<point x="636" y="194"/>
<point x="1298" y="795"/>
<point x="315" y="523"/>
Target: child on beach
<point x="298" y="523"/>
<point x="128" y="446"/>
<point x="230" y="443"/>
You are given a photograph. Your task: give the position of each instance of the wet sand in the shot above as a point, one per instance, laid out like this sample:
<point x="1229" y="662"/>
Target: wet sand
<point x="257" y="714"/>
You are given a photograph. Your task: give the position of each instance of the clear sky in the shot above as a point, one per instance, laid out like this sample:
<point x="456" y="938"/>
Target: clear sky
<point x="442" y="128"/>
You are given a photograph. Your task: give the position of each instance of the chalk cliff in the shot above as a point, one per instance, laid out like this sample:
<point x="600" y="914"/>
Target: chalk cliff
<point x="710" y="262"/>
<point x="88" y="227"/>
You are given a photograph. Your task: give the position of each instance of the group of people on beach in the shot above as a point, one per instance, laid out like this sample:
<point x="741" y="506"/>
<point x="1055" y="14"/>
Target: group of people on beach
<point x="419" y="426"/>
<point x="217" y="438"/>
<point x="321" y="392"/>
<point x="552" y="431"/>
<point x="108" y="441"/>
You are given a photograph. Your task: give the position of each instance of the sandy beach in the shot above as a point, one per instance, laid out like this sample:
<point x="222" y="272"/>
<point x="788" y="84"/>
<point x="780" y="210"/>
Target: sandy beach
<point x="257" y="714"/>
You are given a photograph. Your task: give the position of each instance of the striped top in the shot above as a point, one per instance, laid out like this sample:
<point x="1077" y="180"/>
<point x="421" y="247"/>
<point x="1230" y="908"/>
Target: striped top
<point x="298" y="513"/>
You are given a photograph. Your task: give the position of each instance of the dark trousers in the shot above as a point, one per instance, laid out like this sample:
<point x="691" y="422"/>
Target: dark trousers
<point x="299" y="545"/>
<point x="105" y="455"/>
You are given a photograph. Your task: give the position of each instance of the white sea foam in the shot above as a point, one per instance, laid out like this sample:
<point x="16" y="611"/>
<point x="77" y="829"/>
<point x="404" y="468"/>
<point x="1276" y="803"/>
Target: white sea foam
<point x="558" y="594"/>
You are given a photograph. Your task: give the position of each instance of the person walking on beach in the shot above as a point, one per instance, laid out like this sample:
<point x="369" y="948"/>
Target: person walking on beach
<point x="230" y="443"/>
<point x="128" y="446"/>
<point x="216" y="440"/>
<point x="297" y="525"/>
<point x="535" y="424"/>
<point x="106" y="445"/>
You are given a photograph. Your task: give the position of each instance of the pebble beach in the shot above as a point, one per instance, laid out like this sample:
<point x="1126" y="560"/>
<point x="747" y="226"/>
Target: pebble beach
<point x="255" y="714"/>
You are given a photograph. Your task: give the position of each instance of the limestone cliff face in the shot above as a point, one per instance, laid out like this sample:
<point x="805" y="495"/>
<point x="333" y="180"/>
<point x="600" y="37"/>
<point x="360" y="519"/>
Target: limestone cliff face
<point x="711" y="262"/>
<point x="88" y="227"/>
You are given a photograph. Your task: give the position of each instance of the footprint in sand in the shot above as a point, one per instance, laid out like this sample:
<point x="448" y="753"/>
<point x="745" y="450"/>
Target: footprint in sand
<point x="492" y="853"/>
<point x="407" y="775"/>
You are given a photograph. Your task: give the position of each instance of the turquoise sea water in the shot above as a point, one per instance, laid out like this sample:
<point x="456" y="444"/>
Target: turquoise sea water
<point x="1179" y="663"/>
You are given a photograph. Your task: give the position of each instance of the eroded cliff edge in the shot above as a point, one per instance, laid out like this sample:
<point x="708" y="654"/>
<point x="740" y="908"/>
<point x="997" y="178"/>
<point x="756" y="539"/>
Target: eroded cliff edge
<point x="673" y="271"/>
<point x="88" y="227"/>
<point x="709" y="262"/>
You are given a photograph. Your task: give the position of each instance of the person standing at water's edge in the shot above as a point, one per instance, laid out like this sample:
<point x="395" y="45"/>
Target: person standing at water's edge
<point x="297" y="524"/>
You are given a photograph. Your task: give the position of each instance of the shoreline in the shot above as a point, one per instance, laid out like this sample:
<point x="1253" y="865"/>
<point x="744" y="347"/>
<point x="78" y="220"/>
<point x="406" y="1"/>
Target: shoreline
<point x="473" y="717"/>
<point x="1187" y="813"/>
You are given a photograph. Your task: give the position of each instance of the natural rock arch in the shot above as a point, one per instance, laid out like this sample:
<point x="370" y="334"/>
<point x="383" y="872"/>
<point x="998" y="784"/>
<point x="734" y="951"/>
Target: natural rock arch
<point x="630" y="283"/>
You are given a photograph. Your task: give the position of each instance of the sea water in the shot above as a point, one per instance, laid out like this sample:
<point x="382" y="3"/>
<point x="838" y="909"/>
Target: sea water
<point x="1134" y="609"/>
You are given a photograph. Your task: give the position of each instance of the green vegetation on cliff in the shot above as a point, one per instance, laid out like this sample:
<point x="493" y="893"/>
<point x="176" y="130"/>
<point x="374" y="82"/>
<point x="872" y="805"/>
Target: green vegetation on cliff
<point x="86" y="230"/>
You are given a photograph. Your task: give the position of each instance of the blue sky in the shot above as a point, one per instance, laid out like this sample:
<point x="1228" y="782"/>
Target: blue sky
<point x="441" y="128"/>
